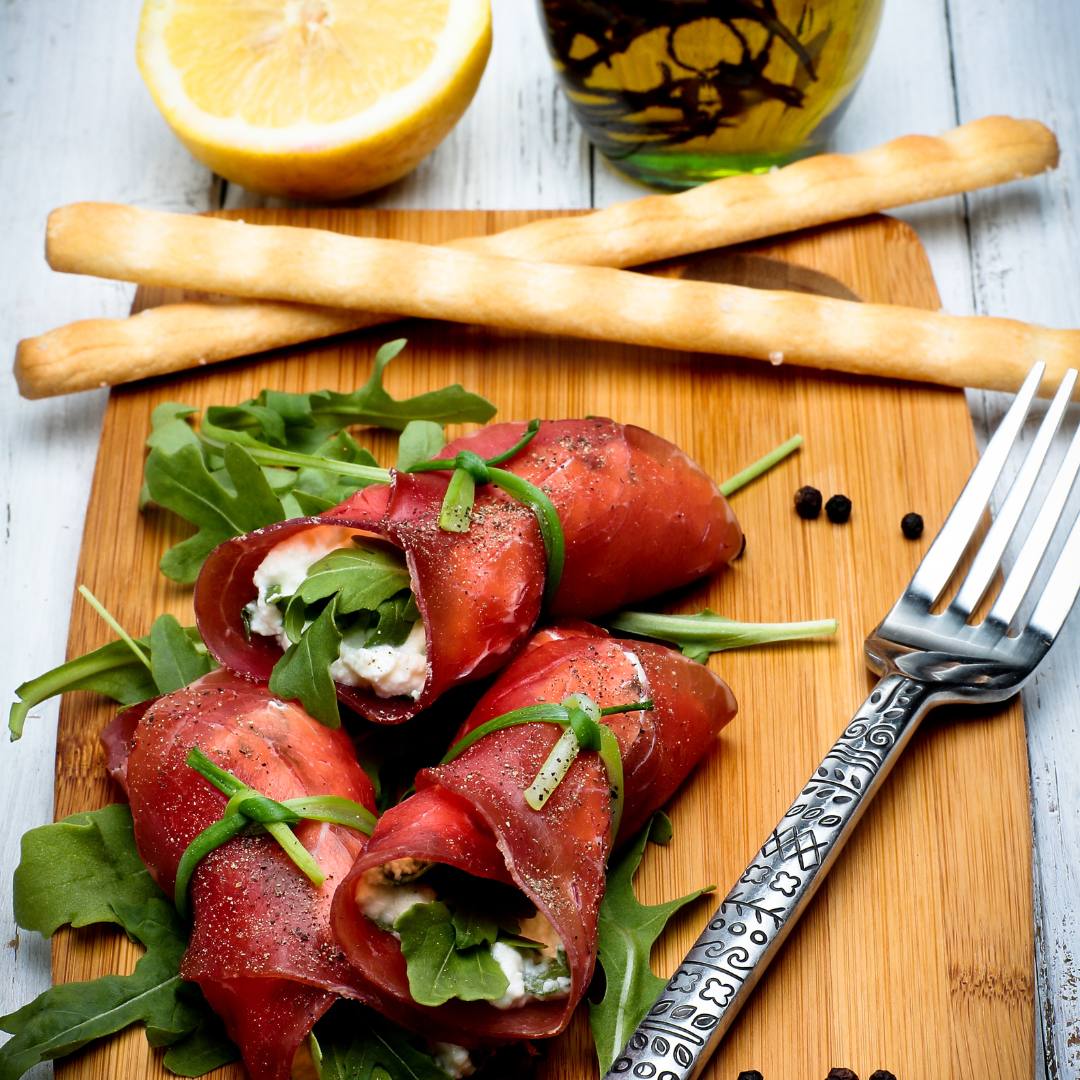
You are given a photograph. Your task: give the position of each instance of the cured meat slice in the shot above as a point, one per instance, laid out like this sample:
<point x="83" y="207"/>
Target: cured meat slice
<point x="261" y="948"/>
<point x="639" y="518"/>
<point x="471" y="814"/>
<point x="478" y="593"/>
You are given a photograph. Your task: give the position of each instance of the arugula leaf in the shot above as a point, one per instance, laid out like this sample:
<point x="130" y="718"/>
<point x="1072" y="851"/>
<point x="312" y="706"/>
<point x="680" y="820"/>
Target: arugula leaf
<point x="421" y="440"/>
<point x="175" y="660"/>
<point x="438" y="970"/>
<point x="354" y="1043"/>
<point x="327" y="487"/>
<point x="394" y="620"/>
<point x="83" y="870"/>
<point x="204" y="1049"/>
<point x="473" y="927"/>
<point x="701" y="635"/>
<point x="180" y="480"/>
<point x="112" y="670"/>
<point x="627" y="931"/>
<point x="371" y="404"/>
<point x="73" y="872"/>
<point x="362" y="576"/>
<point x="302" y="422"/>
<point x="223" y="490"/>
<point x="303" y="673"/>
<point x="169" y="429"/>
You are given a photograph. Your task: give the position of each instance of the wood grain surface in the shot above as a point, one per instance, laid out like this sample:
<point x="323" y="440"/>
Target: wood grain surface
<point x="917" y="954"/>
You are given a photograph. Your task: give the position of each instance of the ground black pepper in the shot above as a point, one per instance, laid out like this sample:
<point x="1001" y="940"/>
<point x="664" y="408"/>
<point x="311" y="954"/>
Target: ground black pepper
<point x="882" y="1074"/>
<point x="911" y="525"/>
<point x="838" y="509"/>
<point x="808" y="502"/>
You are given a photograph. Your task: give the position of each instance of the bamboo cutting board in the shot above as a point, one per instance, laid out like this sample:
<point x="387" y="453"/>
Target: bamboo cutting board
<point x="917" y="954"/>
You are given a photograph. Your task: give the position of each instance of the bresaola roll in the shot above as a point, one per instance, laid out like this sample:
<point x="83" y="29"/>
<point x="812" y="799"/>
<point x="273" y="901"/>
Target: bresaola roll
<point x="638" y="518"/>
<point x="466" y="859"/>
<point x="260" y="948"/>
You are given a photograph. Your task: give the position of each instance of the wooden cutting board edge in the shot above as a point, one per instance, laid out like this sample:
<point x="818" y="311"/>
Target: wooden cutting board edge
<point x="977" y="1002"/>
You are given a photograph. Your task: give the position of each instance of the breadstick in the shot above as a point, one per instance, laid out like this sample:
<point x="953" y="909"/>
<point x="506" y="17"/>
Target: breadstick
<point x="811" y="192"/>
<point x="313" y="266"/>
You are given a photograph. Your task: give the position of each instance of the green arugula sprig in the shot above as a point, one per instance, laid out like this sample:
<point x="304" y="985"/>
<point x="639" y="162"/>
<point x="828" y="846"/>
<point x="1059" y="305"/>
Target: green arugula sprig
<point x="85" y="870"/>
<point x="579" y="716"/>
<point x="448" y="942"/>
<point x="304" y="422"/>
<point x="356" y="592"/>
<point x="439" y="965"/>
<point x="627" y="932"/>
<point x="761" y="466"/>
<point x="355" y="1043"/>
<point x="280" y="456"/>
<point x="128" y="670"/>
<point x="705" y="633"/>
<point x="248" y="809"/>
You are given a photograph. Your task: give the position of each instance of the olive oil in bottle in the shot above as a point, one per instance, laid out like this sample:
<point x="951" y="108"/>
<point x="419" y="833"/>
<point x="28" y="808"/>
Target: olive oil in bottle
<point x="676" y="92"/>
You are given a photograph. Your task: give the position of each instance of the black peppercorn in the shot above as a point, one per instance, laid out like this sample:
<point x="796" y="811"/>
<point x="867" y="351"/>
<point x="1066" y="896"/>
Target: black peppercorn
<point x="808" y="502"/>
<point x="842" y="1074"/>
<point x="911" y="525"/>
<point x="838" y="509"/>
<point x="884" y="1074"/>
<point x="753" y="1074"/>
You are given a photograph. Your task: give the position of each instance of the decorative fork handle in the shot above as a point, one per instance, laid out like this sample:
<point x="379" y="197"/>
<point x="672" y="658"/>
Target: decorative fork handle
<point x="702" y="998"/>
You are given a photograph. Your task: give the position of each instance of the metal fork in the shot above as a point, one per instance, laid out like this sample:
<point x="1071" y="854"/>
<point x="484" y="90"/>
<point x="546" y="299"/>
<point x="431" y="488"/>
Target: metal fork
<point x="925" y="660"/>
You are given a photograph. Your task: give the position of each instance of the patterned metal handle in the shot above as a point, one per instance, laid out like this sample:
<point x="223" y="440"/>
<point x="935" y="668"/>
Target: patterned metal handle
<point x="701" y="999"/>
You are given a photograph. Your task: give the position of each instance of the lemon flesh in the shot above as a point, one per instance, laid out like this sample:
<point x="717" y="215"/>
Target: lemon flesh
<point x="313" y="98"/>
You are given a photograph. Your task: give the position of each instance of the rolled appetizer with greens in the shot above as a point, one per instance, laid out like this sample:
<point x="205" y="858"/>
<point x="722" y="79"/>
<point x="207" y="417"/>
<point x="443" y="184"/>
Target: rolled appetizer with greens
<point x="473" y="911"/>
<point x="437" y="577"/>
<point x="248" y="813"/>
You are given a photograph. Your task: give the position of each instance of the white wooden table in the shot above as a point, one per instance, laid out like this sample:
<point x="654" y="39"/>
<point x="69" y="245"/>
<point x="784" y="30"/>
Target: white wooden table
<point x="76" y="123"/>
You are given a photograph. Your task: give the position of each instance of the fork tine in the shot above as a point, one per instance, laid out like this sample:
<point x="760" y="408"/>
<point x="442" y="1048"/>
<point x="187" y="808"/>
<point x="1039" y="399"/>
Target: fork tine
<point x="992" y="548"/>
<point x="949" y="545"/>
<point x="1060" y="593"/>
<point x="1035" y="546"/>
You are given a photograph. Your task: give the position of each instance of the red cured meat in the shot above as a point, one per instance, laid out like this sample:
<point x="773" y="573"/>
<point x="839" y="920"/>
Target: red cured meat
<point x="117" y="737"/>
<point x="639" y="518"/>
<point x="471" y="813"/>
<point x="478" y="592"/>
<point x="261" y="948"/>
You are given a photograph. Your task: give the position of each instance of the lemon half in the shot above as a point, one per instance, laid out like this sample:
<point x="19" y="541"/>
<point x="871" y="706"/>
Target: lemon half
<point x="313" y="98"/>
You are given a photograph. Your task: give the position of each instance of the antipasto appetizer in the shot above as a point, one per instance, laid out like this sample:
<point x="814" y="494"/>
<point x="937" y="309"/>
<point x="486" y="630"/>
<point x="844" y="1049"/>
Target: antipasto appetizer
<point x="437" y="577"/>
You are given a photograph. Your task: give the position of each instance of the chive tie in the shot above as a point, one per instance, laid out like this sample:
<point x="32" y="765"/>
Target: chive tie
<point x="468" y="469"/>
<point x="249" y="811"/>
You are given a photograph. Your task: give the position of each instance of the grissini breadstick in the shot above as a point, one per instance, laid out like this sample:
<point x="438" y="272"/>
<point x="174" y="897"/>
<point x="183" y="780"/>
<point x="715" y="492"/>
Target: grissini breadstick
<point x="811" y="192"/>
<point x="313" y="266"/>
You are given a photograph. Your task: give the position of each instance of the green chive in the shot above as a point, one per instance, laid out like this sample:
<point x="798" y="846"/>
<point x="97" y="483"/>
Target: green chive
<point x="762" y="465"/>
<point x="120" y="632"/>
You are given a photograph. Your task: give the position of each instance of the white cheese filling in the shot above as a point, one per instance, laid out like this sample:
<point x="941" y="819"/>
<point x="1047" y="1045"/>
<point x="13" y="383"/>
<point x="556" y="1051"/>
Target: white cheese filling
<point x="384" y="902"/>
<point x="389" y="670"/>
<point x="454" y="1060"/>
<point x="383" y="897"/>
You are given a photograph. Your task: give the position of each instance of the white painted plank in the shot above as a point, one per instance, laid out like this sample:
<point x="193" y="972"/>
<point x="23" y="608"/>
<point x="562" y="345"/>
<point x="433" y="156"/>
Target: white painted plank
<point x="1015" y="58"/>
<point x="75" y="123"/>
